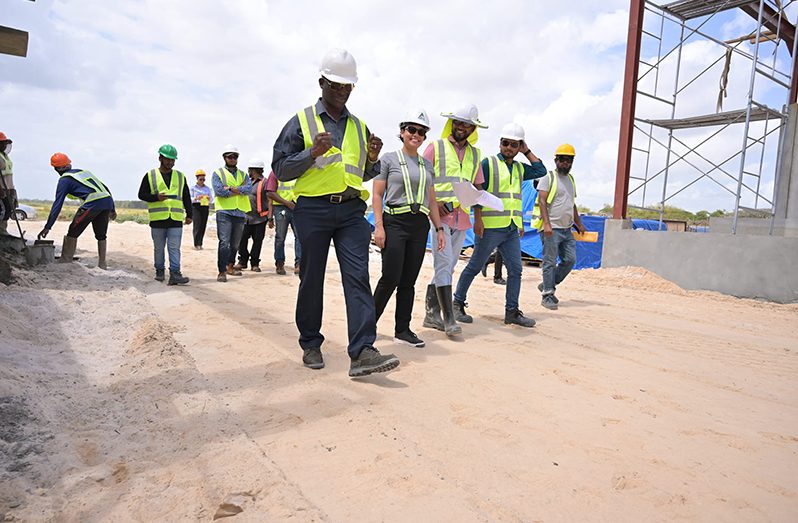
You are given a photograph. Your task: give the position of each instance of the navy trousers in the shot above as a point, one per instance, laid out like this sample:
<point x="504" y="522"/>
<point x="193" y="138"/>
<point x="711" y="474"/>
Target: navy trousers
<point x="318" y="222"/>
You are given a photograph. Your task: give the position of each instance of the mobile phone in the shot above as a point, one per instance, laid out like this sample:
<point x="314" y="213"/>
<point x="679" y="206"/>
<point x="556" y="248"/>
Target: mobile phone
<point x="448" y="206"/>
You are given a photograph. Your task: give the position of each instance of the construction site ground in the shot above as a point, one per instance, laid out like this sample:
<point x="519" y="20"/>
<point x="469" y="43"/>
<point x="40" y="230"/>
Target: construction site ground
<point x="123" y="399"/>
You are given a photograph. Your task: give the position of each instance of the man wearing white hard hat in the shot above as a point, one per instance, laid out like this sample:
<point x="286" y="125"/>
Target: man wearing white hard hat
<point x="330" y="153"/>
<point x="232" y="187"/>
<point x="502" y="230"/>
<point x="455" y="159"/>
<point x="256" y="219"/>
<point x="404" y="205"/>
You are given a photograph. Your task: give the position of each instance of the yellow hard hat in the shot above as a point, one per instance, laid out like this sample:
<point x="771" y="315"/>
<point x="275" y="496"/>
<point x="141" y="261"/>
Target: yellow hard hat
<point x="565" y="149"/>
<point x="200" y="172"/>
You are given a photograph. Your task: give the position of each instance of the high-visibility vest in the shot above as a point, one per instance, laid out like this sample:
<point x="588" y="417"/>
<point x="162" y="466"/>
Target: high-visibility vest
<point x="172" y="207"/>
<point x="411" y="197"/>
<point x="336" y="169"/>
<point x="449" y="169"/>
<point x="98" y="188"/>
<point x="234" y="201"/>
<point x="537" y="221"/>
<point x="505" y="184"/>
<point x="261" y="202"/>
<point x="8" y="170"/>
<point x="285" y="190"/>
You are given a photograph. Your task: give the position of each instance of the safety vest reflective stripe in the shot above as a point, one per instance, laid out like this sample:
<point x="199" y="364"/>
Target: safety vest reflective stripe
<point x="450" y="170"/>
<point x="234" y="201"/>
<point x="9" y="168"/>
<point x="172" y="207"/>
<point x="409" y="198"/>
<point x="285" y="190"/>
<point x="505" y="184"/>
<point x="537" y="220"/>
<point x="99" y="191"/>
<point x="338" y="168"/>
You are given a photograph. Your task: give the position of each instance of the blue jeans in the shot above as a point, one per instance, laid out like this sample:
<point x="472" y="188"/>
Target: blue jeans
<point x="319" y="222"/>
<point x="283" y="217"/>
<point x="169" y="238"/>
<point x="229" y="230"/>
<point x="561" y="243"/>
<point x="508" y="241"/>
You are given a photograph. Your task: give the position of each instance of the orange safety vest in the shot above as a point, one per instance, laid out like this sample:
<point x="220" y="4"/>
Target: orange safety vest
<point x="260" y="201"/>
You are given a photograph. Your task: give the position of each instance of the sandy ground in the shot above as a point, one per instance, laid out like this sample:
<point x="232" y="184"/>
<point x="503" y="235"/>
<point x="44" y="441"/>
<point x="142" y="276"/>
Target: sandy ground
<point x="122" y="399"/>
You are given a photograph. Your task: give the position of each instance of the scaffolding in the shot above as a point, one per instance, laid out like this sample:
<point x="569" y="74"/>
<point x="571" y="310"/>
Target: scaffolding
<point x="691" y="154"/>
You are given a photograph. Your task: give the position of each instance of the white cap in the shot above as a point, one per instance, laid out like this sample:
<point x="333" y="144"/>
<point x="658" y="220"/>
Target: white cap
<point x="230" y="149"/>
<point x="468" y="114"/>
<point x="339" y="66"/>
<point x="417" y="116"/>
<point x="513" y="131"/>
<point x="256" y="163"/>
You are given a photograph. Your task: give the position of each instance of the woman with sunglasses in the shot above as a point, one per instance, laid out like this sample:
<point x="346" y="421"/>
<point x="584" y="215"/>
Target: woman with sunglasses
<point x="401" y="202"/>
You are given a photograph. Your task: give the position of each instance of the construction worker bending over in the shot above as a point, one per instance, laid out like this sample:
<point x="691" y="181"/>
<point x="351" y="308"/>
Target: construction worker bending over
<point x="201" y="200"/>
<point x="231" y="187"/>
<point x="330" y="152"/>
<point x="8" y="194"/>
<point x="502" y="230"/>
<point x="283" y="200"/>
<point x="402" y="226"/>
<point x="168" y="204"/>
<point x="455" y="159"/>
<point x="256" y="219"/>
<point x="556" y="213"/>
<point x="97" y="208"/>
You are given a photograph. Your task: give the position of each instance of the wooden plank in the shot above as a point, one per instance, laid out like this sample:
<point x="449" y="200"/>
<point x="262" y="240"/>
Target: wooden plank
<point x="13" y="41"/>
<point x="587" y="236"/>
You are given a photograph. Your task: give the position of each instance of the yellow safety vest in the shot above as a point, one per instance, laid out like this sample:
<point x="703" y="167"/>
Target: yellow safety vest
<point x="449" y="170"/>
<point x="337" y="169"/>
<point x="411" y="199"/>
<point x="172" y="206"/>
<point x="99" y="190"/>
<point x="8" y="170"/>
<point x="505" y="184"/>
<point x="537" y="221"/>
<point x="234" y="201"/>
<point x="285" y="190"/>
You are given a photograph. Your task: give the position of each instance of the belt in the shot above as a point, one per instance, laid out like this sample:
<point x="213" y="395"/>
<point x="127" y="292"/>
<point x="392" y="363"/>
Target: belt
<point x="339" y="198"/>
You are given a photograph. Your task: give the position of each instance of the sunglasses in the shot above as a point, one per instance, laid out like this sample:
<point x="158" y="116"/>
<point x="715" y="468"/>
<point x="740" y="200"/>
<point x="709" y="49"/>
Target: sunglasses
<point x="234" y="155"/>
<point x="564" y="159"/>
<point x="201" y="178"/>
<point x="509" y="143"/>
<point x="335" y="86"/>
<point x="411" y="129"/>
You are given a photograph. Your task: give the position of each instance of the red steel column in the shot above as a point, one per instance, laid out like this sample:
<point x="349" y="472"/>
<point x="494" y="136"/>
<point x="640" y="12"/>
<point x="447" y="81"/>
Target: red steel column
<point x="636" y="10"/>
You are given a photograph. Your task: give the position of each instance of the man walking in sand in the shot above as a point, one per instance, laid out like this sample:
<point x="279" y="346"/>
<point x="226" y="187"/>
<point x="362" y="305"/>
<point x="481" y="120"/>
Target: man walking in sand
<point x="231" y="187"/>
<point x="330" y="152"/>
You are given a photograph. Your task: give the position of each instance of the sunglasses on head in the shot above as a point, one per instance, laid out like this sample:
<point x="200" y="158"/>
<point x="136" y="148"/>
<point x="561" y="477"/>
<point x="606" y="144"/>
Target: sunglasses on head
<point x="565" y="159"/>
<point x="335" y="86"/>
<point x="412" y="129"/>
<point x="510" y="143"/>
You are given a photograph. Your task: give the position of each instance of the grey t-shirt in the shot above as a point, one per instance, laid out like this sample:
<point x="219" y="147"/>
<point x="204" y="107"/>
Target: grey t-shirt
<point x="391" y="173"/>
<point x="561" y="209"/>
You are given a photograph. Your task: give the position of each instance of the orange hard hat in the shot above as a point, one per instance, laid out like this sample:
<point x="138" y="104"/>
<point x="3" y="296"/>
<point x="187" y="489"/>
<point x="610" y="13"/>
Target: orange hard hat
<point x="3" y="137"/>
<point x="60" y="160"/>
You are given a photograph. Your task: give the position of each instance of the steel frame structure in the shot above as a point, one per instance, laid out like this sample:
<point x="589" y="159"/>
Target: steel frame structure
<point x="691" y="17"/>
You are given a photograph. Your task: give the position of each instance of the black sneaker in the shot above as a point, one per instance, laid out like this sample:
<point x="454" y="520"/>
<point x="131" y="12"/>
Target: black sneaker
<point x="159" y="274"/>
<point x="516" y="317"/>
<point x="540" y="288"/>
<point x="312" y="358"/>
<point x="409" y="337"/>
<point x="549" y="301"/>
<point x="370" y="360"/>
<point x="499" y="281"/>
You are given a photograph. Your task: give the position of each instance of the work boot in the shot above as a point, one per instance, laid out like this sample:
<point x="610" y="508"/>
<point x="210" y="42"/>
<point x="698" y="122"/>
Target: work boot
<point x="445" y="301"/>
<point x="68" y="249"/>
<point x="498" y="280"/>
<point x="175" y="278"/>
<point x="233" y="271"/>
<point x="409" y="337"/>
<point x="549" y="301"/>
<point x="432" y="320"/>
<point x="102" y="245"/>
<point x="159" y="274"/>
<point x="516" y="317"/>
<point x="255" y="268"/>
<point x="460" y="314"/>
<point x="222" y="277"/>
<point x="370" y="360"/>
<point x="312" y="359"/>
<point x="239" y="266"/>
<point x="297" y="271"/>
<point x="280" y="268"/>
<point x="554" y="298"/>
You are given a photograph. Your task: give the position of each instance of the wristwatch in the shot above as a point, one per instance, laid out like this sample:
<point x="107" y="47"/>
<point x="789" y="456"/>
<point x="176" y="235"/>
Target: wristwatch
<point x="437" y="229"/>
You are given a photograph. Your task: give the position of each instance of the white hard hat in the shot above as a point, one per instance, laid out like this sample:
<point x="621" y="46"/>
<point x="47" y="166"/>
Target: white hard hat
<point x="256" y="163"/>
<point x="417" y="116"/>
<point x="230" y="149"/>
<point x="339" y="66"/>
<point x="467" y="113"/>
<point x="513" y="131"/>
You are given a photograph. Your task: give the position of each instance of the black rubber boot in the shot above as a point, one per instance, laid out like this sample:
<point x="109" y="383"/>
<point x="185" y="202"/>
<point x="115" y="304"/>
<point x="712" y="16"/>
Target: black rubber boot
<point x="432" y="320"/>
<point x="445" y="300"/>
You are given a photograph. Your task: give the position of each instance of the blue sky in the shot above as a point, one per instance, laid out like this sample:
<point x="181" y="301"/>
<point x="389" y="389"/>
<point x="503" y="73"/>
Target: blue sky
<point x="108" y="82"/>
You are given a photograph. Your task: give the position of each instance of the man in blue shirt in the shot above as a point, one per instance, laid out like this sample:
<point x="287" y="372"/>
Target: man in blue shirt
<point x="97" y="208"/>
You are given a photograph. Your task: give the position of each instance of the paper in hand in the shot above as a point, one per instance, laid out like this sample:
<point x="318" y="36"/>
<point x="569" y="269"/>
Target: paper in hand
<point x="468" y="195"/>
